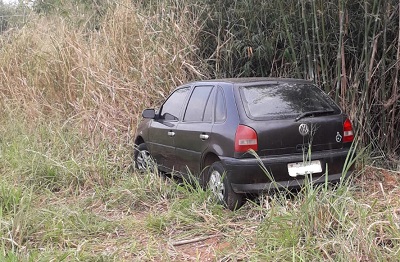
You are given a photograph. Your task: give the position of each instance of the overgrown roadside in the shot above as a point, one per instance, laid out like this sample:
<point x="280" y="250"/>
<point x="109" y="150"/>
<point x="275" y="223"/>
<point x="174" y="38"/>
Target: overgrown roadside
<point x="142" y="217"/>
<point x="57" y="203"/>
<point x="73" y="81"/>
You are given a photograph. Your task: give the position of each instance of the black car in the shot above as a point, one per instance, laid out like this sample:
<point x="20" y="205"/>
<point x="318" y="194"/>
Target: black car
<point x="246" y="135"/>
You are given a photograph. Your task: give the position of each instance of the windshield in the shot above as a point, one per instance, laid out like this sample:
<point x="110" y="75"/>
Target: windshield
<point x="285" y="100"/>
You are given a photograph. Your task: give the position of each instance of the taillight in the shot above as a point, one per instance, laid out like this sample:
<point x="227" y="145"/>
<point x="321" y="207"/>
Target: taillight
<point x="348" y="134"/>
<point x="245" y="139"/>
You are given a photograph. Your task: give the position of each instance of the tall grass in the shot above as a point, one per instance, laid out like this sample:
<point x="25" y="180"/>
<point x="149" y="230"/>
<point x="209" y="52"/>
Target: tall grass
<point x="350" y="48"/>
<point x="99" y="80"/>
<point x="133" y="54"/>
<point x="318" y="224"/>
<point x="70" y="96"/>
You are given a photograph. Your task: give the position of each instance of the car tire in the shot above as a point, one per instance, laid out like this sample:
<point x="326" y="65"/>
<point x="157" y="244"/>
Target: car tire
<point x="143" y="160"/>
<point x="220" y="186"/>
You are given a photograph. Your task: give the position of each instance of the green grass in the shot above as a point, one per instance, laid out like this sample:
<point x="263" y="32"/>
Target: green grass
<point x="47" y="213"/>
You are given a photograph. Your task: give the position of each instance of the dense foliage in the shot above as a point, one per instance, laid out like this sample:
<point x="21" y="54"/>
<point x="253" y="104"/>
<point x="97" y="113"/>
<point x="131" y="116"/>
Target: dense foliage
<point x="350" y="48"/>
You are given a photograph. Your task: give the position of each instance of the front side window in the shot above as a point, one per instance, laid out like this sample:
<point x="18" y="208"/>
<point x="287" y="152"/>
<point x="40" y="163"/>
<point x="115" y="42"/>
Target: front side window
<point x="197" y="104"/>
<point x="172" y="106"/>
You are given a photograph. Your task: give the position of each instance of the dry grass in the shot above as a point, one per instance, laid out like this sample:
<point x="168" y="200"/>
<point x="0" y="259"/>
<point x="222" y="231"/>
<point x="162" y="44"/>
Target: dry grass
<point x="97" y="80"/>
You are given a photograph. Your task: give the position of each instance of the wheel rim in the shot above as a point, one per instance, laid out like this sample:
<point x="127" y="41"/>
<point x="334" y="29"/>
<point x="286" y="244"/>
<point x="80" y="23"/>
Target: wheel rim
<point x="217" y="186"/>
<point x="144" y="160"/>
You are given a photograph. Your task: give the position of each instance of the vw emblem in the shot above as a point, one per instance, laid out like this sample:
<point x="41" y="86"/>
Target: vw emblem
<point x="303" y="129"/>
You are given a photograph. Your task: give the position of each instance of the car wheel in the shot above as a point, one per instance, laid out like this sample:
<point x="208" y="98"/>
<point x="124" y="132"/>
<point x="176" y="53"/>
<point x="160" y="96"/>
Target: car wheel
<point x="221" y="188"/>
<point x="143" y="159"/>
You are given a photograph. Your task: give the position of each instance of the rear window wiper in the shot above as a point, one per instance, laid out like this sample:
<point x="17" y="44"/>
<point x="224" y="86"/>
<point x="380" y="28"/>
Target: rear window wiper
<point x="313" y="113"/>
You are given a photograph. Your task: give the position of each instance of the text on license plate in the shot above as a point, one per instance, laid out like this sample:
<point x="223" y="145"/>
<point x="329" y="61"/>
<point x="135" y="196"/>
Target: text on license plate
<point x="303" y="168"/>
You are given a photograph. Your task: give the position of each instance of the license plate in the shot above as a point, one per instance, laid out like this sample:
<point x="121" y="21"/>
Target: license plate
<point x="303" y="168"/>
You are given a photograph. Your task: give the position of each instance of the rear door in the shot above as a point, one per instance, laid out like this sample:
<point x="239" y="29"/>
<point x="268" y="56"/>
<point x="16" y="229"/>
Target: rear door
<point x="162" y="131"/>
<point x="288" y="136"/>
<point x="289" y="118"/>
<point x="194" y="131"/>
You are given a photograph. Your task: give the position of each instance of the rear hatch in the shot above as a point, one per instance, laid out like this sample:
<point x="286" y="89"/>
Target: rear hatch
<point x="292" y="117"/>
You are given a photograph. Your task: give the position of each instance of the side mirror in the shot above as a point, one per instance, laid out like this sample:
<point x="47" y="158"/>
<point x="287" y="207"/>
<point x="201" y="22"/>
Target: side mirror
<point x="149" y="113"/>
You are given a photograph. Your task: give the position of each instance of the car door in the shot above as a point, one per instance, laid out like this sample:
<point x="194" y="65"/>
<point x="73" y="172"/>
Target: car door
<point x="194" y="131"/>
<point x="162" y="129"/>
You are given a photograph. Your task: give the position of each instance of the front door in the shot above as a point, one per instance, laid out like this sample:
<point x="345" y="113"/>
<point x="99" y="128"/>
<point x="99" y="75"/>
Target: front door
<point x="194" y="131"/>
<point x="162" y="131"/>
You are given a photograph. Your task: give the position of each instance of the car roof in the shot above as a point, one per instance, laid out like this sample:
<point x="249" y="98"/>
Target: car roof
<point x="242" y="81"/>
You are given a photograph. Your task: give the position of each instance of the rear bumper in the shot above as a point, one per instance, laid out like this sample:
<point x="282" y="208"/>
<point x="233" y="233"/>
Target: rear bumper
<point x="262" y="187"/>
<point x="251" y="175"/>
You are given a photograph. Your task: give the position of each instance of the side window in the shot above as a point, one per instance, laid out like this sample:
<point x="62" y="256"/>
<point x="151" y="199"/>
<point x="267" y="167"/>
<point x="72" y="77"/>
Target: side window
<point x="173" y="105"/>
<point x="197" y="103"/>
<point x="208" y="112"/>
<point x="220" y="108"/>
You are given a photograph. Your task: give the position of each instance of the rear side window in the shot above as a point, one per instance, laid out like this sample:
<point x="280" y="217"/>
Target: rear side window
<point x="197" y="104"/>
<point x="172" y="106"/>
<point x="208" y="111"/>
<point x="284" y="100"/>
<point x="220" y="109"/>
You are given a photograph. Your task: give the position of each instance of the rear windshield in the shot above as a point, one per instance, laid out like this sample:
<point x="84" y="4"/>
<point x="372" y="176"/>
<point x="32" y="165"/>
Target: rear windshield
<point x="284" y="100"/>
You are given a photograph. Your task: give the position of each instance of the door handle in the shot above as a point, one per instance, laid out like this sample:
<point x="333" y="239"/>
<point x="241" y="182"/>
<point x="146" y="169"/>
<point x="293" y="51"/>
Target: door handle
<point x="171" y="133"/>
<point x="204" y="137"/>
